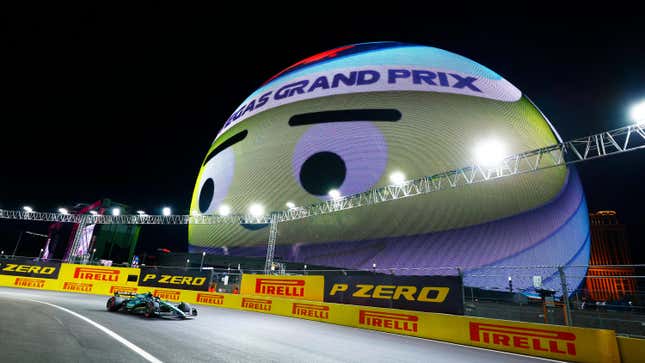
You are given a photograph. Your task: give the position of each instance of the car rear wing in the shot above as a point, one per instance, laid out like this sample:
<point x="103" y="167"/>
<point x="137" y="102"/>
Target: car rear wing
<point x="125" y="293"/>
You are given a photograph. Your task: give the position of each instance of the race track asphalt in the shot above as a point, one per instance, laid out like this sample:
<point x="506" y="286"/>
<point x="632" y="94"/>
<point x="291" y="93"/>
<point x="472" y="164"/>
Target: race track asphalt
<point x="31" y="331"/>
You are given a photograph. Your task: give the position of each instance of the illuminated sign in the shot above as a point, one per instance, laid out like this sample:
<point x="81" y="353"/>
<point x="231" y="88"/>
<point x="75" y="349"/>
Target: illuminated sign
<point x="77" y="287"/>
<point x="256" y="304"/>
<point x="410" y="293"/>
<point x="373" y="79"/>
<point x="29" y="268"/>
<point x="310" y="311"/>
<point x="96" y="274"/>
<point x="174" y="278"/>
<point x="539" y="340"/>
<point x="30" y="283"/>
<point x="441" y="294"/>
<point x="280" y="287"/>
<point x="167" y="294"/>
<point x="309" y="288"/>
<point x="210" y="299"/>
<point x="393" y="321"/>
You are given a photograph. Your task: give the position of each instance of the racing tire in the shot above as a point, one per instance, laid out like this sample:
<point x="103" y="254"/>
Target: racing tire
<point x="114" y="303"/>
<point x="185" y="307"/>
<point x="151" y="310"/>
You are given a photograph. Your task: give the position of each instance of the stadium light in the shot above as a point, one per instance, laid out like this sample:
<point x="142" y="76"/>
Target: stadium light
<point x="141" y="212"/>
<point x="490" y="153"/>
<point x="166" y="211"/>
<point x="27" y="209"/>
<point x="397" y="178"/>
<point x="63" y="211"/>
<point x="637" y="113"/>
<point x="256" y="210"/>
<point x="291" y="205"/>
<point x="116" y="211"/>
<point x="334" y="194"/>
<point x="224" y="210"/>
<point x="94" y="213"/>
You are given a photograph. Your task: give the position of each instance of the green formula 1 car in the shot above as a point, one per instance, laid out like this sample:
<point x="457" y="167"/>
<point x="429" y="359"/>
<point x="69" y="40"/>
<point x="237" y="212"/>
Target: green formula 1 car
<point x="149" y="305"/>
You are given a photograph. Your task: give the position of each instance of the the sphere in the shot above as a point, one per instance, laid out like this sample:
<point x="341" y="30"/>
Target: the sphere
<point x="347" y="119"/>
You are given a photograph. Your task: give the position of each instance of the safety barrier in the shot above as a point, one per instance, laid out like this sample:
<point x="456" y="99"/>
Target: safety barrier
<point x="294" y="287"/>
<point x="550" y="341"/>
<point x="68" y="277"/>
<point x="631" y="350"/>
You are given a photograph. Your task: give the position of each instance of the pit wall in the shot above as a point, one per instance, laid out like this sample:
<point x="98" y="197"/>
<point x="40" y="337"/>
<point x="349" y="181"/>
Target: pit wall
<point x="549" y="341"/>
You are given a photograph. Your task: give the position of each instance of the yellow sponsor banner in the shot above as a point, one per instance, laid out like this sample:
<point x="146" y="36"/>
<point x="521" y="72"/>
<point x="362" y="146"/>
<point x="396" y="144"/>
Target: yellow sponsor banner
<point x="28" y="282"/>
<point x="632" y="350"/>
<point x="310" y="288"/>
<point x="311" y="311"/>
<point x="549" y="341"/>
<point x="102" y="280"/>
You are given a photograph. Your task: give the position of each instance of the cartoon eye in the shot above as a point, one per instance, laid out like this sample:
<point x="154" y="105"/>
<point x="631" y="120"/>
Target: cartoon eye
<point x="217" y="175"/>
<point x="335" y="153"/>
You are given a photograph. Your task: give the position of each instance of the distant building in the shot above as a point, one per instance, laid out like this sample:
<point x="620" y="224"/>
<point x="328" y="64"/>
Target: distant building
<point x="609" y="246"/>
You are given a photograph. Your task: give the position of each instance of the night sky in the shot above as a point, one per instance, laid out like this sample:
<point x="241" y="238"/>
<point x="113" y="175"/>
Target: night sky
<point x="123" y="103"/>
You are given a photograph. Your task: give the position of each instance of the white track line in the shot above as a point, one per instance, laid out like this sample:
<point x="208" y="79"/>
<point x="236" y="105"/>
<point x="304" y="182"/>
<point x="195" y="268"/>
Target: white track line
<point x="147" y="356"/>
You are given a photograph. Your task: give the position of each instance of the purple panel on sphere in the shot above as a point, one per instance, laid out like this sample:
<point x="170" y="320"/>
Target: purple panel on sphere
<point x="360" y="144"/>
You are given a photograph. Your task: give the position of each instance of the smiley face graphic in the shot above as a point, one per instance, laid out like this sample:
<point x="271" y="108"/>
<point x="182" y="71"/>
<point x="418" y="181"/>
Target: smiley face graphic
<point x="346" y="120"/>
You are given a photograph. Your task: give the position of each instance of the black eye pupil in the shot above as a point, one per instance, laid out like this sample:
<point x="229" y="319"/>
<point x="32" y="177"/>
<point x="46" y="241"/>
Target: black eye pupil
<point x="322" y="172"/>
<point x="206" y="195"/>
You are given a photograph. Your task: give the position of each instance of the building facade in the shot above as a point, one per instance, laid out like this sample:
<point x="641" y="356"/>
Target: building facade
<point x="609" y="279"/>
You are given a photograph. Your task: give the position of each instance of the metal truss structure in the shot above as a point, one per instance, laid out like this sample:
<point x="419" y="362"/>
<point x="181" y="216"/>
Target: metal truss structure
<point x="131" y="219"/>
<point x="628" y="138"/>
<point x="600" y="145"/>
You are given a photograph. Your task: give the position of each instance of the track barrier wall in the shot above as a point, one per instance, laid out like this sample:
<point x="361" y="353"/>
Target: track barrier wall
<point x="438" y="294"/>
<point x="85" y="279"/>
<point x="293" y="287"/>
<point x="549" y="341"/>
<point x="631" y="350"/>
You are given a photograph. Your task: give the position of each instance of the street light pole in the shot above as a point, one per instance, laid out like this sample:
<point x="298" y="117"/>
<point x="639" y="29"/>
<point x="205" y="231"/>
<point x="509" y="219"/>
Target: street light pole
<point x="17" y="243"/>
<point x="201" y="264"/>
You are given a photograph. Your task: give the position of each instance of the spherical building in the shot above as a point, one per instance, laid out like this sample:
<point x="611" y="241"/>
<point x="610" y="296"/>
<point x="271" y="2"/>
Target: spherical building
<point x="347" y="119"/>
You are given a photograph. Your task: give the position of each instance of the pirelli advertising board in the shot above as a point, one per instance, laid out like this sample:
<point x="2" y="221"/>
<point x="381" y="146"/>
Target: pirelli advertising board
<point x="35" y="268"/>
<point x="92" y="279"/>
<point x="439" y="294"/>
<point x="175" y="278"/>
<point x="290" y="287"/>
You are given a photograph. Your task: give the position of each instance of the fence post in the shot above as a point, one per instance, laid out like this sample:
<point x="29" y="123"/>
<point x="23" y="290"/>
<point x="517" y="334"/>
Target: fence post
<point x="565" y="296"/>
<point x="463" y="289"/>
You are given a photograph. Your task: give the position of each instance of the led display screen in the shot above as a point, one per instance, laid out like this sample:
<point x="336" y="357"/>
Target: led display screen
<point x="348" y="118"/>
